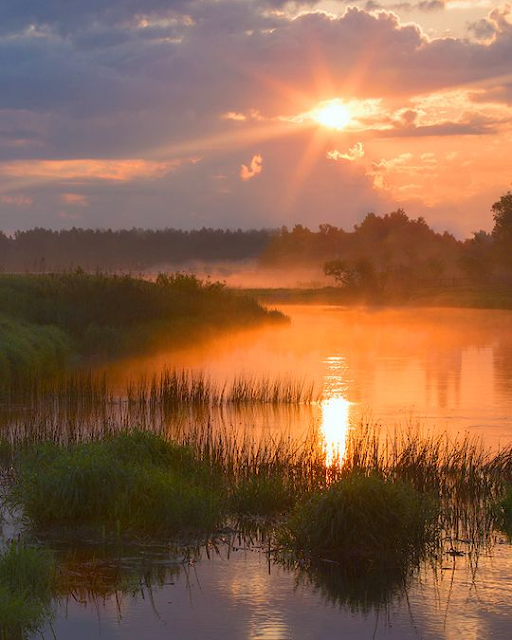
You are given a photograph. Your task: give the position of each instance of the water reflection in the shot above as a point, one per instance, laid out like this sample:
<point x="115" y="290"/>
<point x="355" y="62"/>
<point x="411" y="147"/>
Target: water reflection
<point x="334" y="428"/>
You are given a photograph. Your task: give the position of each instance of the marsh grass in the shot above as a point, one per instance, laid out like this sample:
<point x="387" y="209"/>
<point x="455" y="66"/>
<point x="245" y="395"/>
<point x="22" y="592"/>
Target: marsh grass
<point x="27" y="577"/>
<point x="193" y="477"/>
<point x="132" y="481"/>
<point x="364" y="520"/>
<point x="166" y="391"/>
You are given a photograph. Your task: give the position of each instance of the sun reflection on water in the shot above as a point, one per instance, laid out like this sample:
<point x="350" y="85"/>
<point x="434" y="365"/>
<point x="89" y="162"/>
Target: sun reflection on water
<point x="334" y="428"/>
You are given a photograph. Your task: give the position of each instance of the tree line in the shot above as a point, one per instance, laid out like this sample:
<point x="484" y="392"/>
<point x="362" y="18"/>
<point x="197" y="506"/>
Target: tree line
<point x="382" y="252"/>
<point x="45" y="250"/>
<point x="396" y="252"/>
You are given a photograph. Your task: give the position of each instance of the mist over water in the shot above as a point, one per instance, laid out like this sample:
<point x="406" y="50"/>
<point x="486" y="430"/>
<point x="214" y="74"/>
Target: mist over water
<point x="448" y="369"/>
<point x="442" y="370"/>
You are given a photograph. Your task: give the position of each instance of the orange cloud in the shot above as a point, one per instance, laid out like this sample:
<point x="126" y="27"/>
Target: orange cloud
<point x="87" y="169"/>
<point x="75" y="199"/>
<point x="18" y="200"/>
<point x="255" y="168"/>
<point x="354" y="153"/>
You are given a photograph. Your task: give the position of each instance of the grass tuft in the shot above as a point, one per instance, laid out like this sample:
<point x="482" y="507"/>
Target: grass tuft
<point x="134" y="480"/>
<point x="364" y="519"/>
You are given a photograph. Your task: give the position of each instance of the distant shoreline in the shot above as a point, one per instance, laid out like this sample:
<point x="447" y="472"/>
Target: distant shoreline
<point x="466" y="297"/>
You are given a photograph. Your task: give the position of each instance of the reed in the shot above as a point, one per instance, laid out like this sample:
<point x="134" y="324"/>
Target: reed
<point x="365" y="520"/>
<point x="132" y="481"/>
<point x="218" y="471"/>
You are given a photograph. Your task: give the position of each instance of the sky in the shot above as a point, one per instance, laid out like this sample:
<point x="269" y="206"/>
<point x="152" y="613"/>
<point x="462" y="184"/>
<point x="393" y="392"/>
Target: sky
<point x="253" y="113"/>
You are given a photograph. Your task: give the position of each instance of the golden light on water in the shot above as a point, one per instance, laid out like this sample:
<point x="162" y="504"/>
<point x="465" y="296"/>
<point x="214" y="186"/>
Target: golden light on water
<point x="334" y="428"/>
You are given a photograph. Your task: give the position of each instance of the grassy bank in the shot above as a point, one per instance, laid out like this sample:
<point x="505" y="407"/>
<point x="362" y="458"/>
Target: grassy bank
<point x="48" y="320"/>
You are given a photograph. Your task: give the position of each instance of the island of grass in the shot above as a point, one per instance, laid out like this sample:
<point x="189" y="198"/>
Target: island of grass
<point x="49" y="321"/>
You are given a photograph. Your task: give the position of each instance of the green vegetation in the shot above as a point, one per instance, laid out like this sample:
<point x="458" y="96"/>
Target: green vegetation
<point x="29" y="351"/>
<point x="356" y="529"/>
<point x="134" y="482"/>
<point x="49" y="319"/>
<point x="137" y="481"/>
<point x="365" y="519"/>
<point x="265" y="494"/>
<point x="27" y="576"/>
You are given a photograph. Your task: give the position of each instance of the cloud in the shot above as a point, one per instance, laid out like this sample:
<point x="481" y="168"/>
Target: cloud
<point x="354" y="153"/>
<point x="86" y="169"/>
<point x="254" y="169"/>
<point x="17" y="200"/>
<point x="105" y="100"/>
<point x="74" y="199"/>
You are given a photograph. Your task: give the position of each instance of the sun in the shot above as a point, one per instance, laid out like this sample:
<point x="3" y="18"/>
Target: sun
<point x="333" y="114"/>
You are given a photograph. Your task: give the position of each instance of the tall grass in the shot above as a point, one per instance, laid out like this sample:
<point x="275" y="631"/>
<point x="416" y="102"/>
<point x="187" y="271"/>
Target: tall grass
<point x="141" y="481"/>
<point x="133" y="481"/>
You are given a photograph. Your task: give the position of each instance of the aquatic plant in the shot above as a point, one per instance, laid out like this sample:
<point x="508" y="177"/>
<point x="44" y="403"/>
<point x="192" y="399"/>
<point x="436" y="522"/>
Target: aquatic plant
<point x="132" y="481"/>
<point x="364" y="519"/>
<point x="26" y="581"/>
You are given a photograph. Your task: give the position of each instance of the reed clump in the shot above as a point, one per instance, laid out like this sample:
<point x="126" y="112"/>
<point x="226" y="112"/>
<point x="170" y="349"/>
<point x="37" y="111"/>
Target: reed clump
<point x="133" y="481"/>
<point x="174" y="387"/>
<point x="27" y="577"/>
<point x="364" y="519"/>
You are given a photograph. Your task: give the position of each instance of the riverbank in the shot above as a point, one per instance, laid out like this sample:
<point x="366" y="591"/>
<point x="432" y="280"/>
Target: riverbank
<point x="48" y="322"/>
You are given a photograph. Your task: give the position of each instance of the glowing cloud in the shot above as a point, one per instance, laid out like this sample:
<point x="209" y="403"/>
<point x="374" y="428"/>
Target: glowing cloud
<point x="354" y="153"/>
<point x="74" y="199"/>
<point x="116" y="170"/>
<point x="254" y="169"/>
<point x="17" y="200"/>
